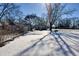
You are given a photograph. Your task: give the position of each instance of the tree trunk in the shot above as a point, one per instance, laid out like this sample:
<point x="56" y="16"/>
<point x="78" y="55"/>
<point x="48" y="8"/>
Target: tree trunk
<point x="51" y="26"/>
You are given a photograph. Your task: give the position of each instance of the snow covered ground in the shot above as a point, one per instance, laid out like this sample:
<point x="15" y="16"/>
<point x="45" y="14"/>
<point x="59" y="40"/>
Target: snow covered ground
<point x="61" y="43"/>
<point x="22" y="42"/>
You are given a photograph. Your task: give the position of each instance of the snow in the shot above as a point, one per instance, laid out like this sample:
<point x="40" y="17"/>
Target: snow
<point x="21" y="43"/>
<point x="61" y="43"/>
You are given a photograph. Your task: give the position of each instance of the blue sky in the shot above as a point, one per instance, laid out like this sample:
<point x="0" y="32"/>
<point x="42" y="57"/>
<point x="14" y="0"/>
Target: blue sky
<point x="35" y="8"/>
<point x="39" y="8"/>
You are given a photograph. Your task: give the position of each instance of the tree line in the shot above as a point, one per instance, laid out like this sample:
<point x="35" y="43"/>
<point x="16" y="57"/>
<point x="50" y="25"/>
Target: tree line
<point x="57" y="15"/>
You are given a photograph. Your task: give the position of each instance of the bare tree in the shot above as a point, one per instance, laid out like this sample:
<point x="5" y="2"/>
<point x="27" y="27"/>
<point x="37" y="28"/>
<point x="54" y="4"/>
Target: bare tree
<point x="61" y="12"/>
<point x="49" y="12"/>
<point x="56" y="11"/>
<point x="7" y="10"/>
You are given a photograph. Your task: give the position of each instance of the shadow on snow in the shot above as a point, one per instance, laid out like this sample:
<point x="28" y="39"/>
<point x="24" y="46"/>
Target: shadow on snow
<point x="64" y="47"/>
<point x="62" y="44"/>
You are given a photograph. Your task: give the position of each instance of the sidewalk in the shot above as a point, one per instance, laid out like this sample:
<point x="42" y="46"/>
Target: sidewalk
<point x="21" y="43"/>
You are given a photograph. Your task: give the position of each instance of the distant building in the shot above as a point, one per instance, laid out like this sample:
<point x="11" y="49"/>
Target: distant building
<point x="53" y="26"/>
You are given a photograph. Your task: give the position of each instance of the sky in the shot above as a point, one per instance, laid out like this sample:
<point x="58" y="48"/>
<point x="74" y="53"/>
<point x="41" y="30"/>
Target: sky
<point x="33" y="8"/>
<point x="40" y="9"/>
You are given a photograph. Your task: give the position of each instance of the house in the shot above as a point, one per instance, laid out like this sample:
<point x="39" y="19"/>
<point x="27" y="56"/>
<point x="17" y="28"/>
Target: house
<point x="53" y="26"/>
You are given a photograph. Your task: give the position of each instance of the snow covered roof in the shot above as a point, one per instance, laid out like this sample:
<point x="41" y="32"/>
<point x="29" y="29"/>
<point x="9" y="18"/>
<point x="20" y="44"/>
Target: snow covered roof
<point x="53" y="25"/>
